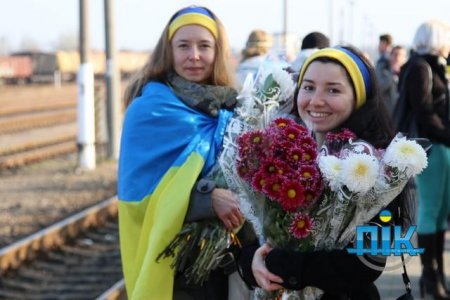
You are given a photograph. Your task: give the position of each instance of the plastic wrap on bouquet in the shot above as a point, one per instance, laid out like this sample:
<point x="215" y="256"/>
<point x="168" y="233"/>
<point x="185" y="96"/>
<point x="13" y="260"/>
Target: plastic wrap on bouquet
<point x="260" y="101"/>
<point x="349" y="200"/>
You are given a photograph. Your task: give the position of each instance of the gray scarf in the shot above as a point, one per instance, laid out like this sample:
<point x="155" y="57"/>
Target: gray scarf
<point x="208" y="99"/>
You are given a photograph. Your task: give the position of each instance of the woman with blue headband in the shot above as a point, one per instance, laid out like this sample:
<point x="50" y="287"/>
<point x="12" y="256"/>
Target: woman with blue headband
<point x="177" y="108"/>
<point x="336" y="89"/>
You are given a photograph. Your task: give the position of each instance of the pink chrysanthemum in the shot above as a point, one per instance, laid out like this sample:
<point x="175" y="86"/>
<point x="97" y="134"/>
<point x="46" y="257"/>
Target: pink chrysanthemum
<point x="301" y="128"/>
<point x="273" y="166"/>
<point x="307" y="142"/>
<point x="251" y="143"/>
<point x="259" y="181"/>
<point x="341" y="136"/>
<point x="309" y="154"/>
<point x="310" y="196"/>
<point x="272" y="187"/>
<point x="291" y="195"/>
<point x="283" y="122"/>
<point x="301" y="226"/>
<point x="294" y="156"/>
<point x="291" y="133"/>
<point x="309" y="173"/>
<point x="243" y="169"/>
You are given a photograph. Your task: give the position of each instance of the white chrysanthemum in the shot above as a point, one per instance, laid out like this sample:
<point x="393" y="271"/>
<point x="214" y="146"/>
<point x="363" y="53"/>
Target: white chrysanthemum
<point x="406" y="155"/>
<point x="285" y="82"/>
<point x="282" y="82"/>
<point x="330" y="167"/>
<point x="359" y="172"/>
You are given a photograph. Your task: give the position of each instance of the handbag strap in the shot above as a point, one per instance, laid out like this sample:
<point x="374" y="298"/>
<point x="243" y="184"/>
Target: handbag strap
<point x="405" y="276"/>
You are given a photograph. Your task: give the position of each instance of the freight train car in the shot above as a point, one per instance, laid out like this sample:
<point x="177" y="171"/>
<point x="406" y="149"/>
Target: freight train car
<point x="15" y="69"/>
<point x="64" y="65"/>
<point x="43" y="65"/>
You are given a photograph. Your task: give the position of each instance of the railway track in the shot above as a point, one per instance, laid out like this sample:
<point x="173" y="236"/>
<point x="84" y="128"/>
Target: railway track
<point x="32" y="132"/>
<point x="31" y="120"/>
<point x="77" y="258"/>
<point x="22" y="148"/>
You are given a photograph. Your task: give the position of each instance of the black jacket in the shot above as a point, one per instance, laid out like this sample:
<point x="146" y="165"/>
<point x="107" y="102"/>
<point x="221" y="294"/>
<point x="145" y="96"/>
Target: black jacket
<point x="431" y="108"/>
<point x="339" y="274"/>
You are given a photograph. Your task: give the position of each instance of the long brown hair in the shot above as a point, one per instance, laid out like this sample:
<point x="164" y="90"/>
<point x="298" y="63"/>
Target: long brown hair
<point x="160" y="63"/>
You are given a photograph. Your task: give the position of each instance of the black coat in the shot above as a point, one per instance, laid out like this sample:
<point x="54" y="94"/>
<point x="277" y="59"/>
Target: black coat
<point x="431" y="108"/>
<point x="339" y="274"/>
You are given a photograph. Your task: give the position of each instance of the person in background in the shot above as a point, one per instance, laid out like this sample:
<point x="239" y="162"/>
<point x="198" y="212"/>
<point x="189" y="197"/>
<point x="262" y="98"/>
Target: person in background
<point x="424" y="82"/>
<point x="388" y="78"/>
<point x="337" y="89"/>
<point x="398" y="58"/>
<point x="384" y="50"/>
<point x="383" y="69"/>
<point x="178" y="106"/>
<point x="312" y="42"/>
<point x="258" y="44"/>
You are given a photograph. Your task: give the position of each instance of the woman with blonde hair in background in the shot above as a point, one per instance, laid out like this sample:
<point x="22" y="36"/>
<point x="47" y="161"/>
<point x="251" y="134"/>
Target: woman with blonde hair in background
<point x="258" y="44"/>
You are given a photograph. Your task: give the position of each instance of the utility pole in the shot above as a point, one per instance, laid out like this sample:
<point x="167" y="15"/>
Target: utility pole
<point x="112" y="78"/>
<point x="331" y="21"/>
<point x="86" y="112"/>
<point x="285" y="25"/>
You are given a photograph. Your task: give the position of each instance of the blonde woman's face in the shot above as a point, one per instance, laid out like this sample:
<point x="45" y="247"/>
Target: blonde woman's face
<point x="194" y="53"/>
<point x="325" y="99"/>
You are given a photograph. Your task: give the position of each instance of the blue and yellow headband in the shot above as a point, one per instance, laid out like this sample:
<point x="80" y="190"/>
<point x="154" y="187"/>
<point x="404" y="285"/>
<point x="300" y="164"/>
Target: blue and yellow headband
<point x="355" y="67"/>
<point x="193" y="16"/>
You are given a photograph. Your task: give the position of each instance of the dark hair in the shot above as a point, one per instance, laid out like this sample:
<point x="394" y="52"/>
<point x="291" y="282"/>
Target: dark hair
<point x="372" y="123"/>
<point x="386" y="38"/>
<point x="315" y="39"/>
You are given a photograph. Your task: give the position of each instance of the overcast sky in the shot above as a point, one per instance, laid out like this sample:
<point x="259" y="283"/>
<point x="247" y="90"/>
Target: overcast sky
<point x="140" y="22"/>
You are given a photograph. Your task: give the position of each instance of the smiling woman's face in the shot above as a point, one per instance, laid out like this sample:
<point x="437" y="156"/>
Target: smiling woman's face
<point x="194" y="53"/>
<point x="325" y="99"/>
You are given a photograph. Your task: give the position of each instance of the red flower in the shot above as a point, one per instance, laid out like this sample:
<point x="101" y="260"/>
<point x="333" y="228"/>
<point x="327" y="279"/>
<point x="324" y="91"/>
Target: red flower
<point x="283" y="122"/>
<point x="294" y="156"/>
<point x="259" y="181"/>
<point x="272" y="187"/>
<point x="342" y="136"/>
<point x="301" y="226"/>
<point x="251" y="142"/>
<point x="291" y="196"/>
<point x="274" y="167"/>
<point x="310" y="196"/>
<point x="309" y="155"/>
<point x="309" y="173"/>
<point x="292" y="133"/>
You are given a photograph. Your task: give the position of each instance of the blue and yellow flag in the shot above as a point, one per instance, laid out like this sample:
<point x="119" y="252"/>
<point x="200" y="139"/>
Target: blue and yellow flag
<point x="165" y="147"/>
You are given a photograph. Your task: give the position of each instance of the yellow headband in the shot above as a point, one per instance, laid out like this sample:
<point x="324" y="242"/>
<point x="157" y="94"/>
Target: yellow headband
<point x="193" y="18"/>
<point x="353" y="64"/>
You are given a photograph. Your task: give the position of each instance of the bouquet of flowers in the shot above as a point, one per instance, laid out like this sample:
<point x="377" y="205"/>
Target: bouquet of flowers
<point x="278" y="163"/>
<point x="359" y="181"/>
<point x="304" y="200"/>
<point x="200" y="246"/>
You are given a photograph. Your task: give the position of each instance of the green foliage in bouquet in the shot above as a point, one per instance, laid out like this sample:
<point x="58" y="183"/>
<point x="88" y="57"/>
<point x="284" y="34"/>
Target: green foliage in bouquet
<point x="198" y="249"/>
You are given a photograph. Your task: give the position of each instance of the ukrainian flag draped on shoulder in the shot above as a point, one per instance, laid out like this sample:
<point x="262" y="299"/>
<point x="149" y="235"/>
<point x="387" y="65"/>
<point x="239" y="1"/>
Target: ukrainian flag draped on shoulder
<point x="165" y="147"/>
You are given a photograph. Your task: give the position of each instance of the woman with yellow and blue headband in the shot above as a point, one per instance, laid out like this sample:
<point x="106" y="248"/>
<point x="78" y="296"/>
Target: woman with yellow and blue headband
<point x="178" y="106"/>
<point x="336" y="89"/>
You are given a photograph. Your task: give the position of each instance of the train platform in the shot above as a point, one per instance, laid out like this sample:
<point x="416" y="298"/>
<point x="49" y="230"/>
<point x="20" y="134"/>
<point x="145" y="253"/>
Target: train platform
<point x="390" y="283"/>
